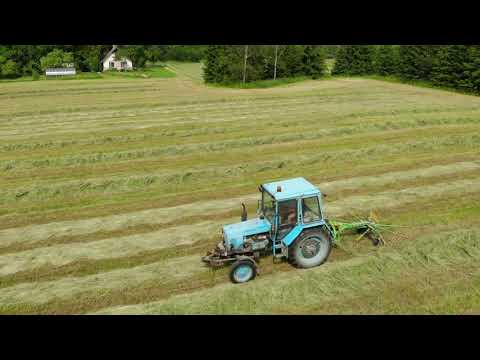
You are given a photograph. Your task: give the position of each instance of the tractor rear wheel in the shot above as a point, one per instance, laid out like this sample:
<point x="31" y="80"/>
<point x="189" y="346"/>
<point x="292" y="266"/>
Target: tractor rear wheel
<point x="243" y="271"/>
<point x="310" y="249"/>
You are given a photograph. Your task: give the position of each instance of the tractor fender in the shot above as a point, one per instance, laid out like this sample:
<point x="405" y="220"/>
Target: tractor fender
<point x="324" y="227"/>
<point x="299" y="230"/>
<point x="292" y="235"/>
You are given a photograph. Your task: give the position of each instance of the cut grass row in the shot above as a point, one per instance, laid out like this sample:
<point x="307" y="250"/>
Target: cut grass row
<point x="179" y="115"/>
<point x="170" y="92"/>
<point x="130" y="246"/>
<point x="172" y="134"/>
<point x="192" y="183"/>
<point x="170" y="215"/>
<point x="187" y="141"/>
<point x="311" y="151"/>
<point x="13" y="190"/>
<point x="138" y="290"/>
<point x="300" y="291"/>
<point x="24" y="213"/>
<point x="186" y="218"/>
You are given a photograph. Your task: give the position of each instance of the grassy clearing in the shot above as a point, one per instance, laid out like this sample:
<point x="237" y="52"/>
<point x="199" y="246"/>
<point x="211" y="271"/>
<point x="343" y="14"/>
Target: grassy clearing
<point x="153" y="71"/>
<point x="101" y="179"/>
<point x="191" y="71"/>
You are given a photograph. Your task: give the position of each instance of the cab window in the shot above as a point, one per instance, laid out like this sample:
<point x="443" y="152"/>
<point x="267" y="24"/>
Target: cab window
<point x="288" y="212"/>
<point x="268" y="206"/>
<point x="311" y="209"/>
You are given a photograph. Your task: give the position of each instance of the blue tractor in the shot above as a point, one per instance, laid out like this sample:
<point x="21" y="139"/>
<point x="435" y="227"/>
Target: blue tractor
<point x="291" y="226"/>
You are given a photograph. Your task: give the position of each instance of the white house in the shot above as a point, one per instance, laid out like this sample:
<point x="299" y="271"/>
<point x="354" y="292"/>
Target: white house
<point x="109" y="62"/>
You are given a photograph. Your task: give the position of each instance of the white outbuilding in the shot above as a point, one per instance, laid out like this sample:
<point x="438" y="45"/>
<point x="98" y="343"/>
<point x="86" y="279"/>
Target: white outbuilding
<point x="111" y="63"/>
<point x="65" y="71"/>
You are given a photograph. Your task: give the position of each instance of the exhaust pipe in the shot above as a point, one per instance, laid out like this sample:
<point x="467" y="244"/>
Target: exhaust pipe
<point x="244" y="213"/>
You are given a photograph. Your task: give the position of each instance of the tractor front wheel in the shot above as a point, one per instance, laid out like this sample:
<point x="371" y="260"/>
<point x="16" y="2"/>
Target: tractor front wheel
<point x="310" y="249"/>
<point x="243" y="271"/>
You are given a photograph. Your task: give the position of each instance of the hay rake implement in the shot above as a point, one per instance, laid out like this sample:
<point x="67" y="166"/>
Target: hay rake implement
<point x="370" y="229"/>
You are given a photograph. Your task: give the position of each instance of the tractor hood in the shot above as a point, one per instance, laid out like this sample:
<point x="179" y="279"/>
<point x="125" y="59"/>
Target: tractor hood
<point x="234" y="234"/>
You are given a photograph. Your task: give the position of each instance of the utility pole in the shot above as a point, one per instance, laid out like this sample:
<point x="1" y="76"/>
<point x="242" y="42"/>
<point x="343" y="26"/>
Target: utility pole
<point x="276" y="59"/>
<point x="245" y="65"/>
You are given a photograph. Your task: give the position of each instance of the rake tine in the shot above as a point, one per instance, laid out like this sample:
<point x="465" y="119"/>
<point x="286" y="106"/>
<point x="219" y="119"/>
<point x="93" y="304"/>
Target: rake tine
<point x="361" y="236"/>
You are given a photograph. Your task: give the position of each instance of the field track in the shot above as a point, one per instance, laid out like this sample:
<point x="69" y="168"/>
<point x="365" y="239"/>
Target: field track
<point x="111" y="191"/>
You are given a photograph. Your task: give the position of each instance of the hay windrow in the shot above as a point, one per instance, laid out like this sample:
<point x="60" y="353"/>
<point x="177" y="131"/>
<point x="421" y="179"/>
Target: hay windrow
<point x="59" y="255"/>
<point x="38" y="233"/>
<point x="166" y="272"/>
<point x="308" y="287"/>
<point x="63" y="254"/>
<point x="101" y="157"/>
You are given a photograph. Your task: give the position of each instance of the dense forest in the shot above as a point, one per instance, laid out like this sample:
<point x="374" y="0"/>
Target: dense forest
<point x="30" y="60"/>
<point x="232" y="63"/>
<point x="452" y="66"/>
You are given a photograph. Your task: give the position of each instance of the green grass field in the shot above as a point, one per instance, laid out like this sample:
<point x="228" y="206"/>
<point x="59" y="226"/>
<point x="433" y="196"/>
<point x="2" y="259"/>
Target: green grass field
<point x="152" y="71"/>
<point x="111" y="191"/>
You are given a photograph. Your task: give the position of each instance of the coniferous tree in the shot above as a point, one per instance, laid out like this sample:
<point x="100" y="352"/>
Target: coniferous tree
<point x="290" y="64"/>
<point x="363" y="56"/>
<point x="211" y="64"/>
<point x="341" y="66"/>
<point x="386" y="60"/>
<point x="416" y="61"/>
<point x="354" y="60"/>
<point x="472" y="69"/>
<point x="449" y="67"/>
<point x="313" y="61"/>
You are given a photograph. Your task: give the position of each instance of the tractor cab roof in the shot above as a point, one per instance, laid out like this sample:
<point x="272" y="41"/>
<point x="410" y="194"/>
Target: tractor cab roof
<point x="290" y="189"/>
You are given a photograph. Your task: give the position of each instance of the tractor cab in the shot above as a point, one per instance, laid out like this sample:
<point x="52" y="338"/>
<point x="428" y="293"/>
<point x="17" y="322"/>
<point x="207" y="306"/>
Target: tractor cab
<point x="290" y="206"/>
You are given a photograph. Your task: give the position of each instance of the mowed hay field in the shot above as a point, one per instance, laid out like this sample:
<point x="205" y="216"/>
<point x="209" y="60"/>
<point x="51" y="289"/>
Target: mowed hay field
<point x="111" y="191"/>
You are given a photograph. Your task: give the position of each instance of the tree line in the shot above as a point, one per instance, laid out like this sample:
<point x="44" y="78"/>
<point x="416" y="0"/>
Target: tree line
<point x="453" y="66"/>
<point x="247" y="63"/>
<point x="30" y="60"/>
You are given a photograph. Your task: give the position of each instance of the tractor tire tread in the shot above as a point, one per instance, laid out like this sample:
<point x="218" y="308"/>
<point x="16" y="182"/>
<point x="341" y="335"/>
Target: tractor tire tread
<point x="240" y="262"/>
<point x="292" y="248"/>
